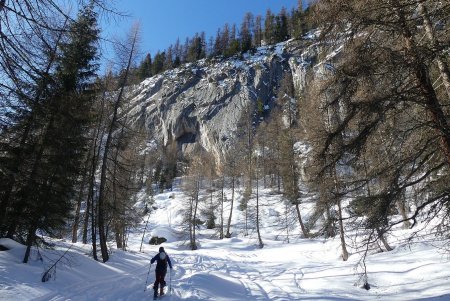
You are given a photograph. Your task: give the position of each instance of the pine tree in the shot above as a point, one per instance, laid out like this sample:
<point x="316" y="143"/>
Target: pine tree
<point x="225" y="38"/>
<point x="257" y="32"/>
<point x="217" y="50"/>
<point x="233" y="45"/>
<point x="296" y="24"/>
<point x="245" y="34"/>
<point x="27" y="62"/>
<point x="203" y="45"/>
<point x="269" y="28"/>
<point x="282" y="33"/>
<point x="61" y="148"/>
<point x="145" y="69"/>
<point x="158" y="62"/>
<point x="177" y="49"/>
<point x="195" y="49"/>
<point x="168" y="63"/>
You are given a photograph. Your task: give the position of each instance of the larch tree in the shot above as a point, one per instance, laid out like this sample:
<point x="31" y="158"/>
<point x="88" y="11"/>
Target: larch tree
<point x="127" y="52"/>
<point x="192" y="185"/>
<point x="245" y="34"/>
<point x="257" y="31"/>
<point x="269" y="27"/>
<point x="389" y="69"/>
<point x="289" y="165"/>
<point x="232" y="171"/>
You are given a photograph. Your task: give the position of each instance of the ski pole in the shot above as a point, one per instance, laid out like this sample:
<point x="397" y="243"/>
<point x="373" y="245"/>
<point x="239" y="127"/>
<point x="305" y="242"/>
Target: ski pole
<point x="170" y="282"/>
<point x="146" y="280"/>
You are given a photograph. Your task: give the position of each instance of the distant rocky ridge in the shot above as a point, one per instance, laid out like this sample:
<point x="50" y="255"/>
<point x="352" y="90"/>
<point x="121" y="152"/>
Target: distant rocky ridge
<point x="199" y="104"/>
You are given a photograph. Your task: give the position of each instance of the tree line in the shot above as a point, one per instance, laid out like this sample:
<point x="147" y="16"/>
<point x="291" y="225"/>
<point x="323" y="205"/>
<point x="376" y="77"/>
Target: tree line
<point x="229" y="40"/>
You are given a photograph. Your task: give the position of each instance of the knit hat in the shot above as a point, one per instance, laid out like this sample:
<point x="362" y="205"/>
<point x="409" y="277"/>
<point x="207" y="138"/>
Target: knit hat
<point x="161" y="249"/>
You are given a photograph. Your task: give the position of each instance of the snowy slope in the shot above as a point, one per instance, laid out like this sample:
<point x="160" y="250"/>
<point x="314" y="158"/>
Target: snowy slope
<point x="229" y="269"/>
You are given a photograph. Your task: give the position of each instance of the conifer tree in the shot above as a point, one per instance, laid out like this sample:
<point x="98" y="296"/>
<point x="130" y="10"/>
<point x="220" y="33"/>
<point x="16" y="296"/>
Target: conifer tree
<point x="282" y="33"/>
<point x="289" y="167"/>
<point x="168" y="62"/>
<point x="269" y="28"/>
<point x="257" y="31"/>
<point x="62" y="144"/>
<point x="145" y="69"/>
<point x="217" y="50"/>
<point x="245" y="34"/>
<point x="384" y="84"/>
<point x="177" y="53"/>
<point x="195" y="49"/>
<point x="26" y="65"/>
<point x="158" y="62"/>
<point x="233" y="46"/>
<point x="225" y="38"/>
<point x="126" y="52"/>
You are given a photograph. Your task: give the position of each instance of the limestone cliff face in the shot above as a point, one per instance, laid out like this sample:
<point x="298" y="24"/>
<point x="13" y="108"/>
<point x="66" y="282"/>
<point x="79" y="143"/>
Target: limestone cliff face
<point x="199" y="105"/>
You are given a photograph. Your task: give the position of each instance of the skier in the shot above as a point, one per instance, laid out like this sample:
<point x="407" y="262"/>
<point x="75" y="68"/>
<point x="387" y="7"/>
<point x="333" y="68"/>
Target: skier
<point x="162" y="259"/>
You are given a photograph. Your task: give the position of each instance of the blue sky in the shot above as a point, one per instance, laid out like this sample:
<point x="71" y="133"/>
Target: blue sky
<point x="162" y="21"/>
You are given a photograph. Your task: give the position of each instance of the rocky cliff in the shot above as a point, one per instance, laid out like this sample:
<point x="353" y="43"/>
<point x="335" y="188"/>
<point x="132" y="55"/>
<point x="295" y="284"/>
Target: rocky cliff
<point x="199" y="105"/>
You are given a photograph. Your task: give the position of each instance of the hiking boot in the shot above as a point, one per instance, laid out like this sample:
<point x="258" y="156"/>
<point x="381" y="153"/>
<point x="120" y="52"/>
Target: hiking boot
<point x="161" y="292"/>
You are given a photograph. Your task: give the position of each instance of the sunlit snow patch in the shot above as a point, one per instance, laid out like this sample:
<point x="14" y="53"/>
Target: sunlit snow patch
<point x="213" y="286"/>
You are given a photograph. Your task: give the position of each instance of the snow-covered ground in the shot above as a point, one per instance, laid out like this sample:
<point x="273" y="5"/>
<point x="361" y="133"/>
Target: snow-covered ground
<point x="228" y="269"/>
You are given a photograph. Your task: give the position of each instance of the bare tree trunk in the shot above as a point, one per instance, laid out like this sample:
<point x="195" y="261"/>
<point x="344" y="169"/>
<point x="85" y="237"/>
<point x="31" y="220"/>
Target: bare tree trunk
<point x="228" y="234"/>
<point x="294" y="178"/>
<point x="77" y="217"/>
<point x="29" y="243"/>
<point x="117" y="206"/>
<point x="93" y="229"/>
<point x="194" y="222"/>
<point x="246" y="222"/>
<point x="86" y="221"/>
<point x="191" y="222"/>
<point x="90" y="202"/>
<point x="222" y="201"/>
<point x="76" y="220"/>
<point x="404" y="213"/>
<point x="278" y="181"/>
<point x="383" y="240"/>
<point x="261" y="244"/>
<point x="286" y="221"/>
<point x="107" y="146"/>
<point x="143" y="234"/>
<point x="342" y="233"/>
<point x="302" y="225"/>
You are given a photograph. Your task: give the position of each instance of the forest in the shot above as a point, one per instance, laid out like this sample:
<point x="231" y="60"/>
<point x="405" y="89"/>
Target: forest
<point x="368" y="138"/>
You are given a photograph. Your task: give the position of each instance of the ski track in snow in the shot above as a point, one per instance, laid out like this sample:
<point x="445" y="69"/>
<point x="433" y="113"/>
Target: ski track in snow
<point x="191" y="271"/>
<point x="114" y="285"/>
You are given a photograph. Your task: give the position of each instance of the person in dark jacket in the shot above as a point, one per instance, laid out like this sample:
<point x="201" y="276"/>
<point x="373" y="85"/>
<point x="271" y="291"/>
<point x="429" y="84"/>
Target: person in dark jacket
<point x="162" y="259"/>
